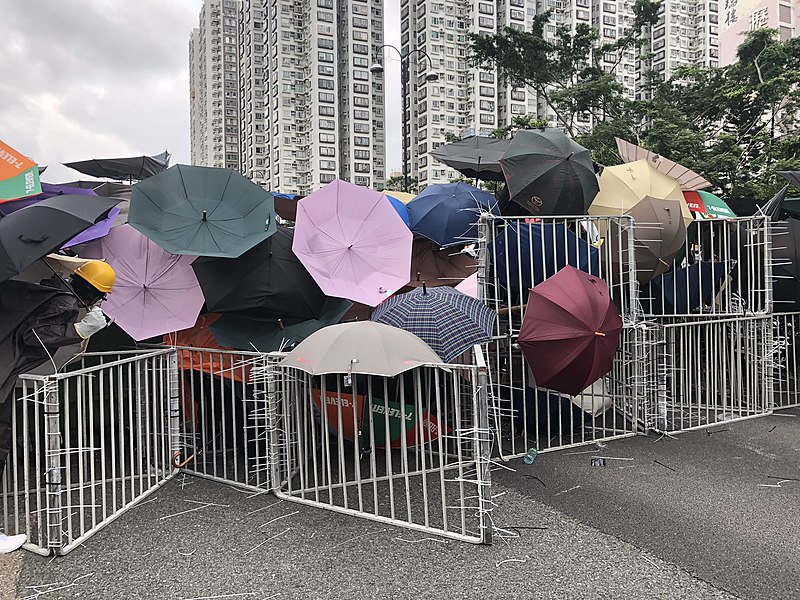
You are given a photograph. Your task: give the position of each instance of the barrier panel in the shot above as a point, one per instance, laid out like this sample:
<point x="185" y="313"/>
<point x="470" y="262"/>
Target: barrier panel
<point x="714" y="371"/>
<point x="89" y="443"/>
<point x="411" y="451"/>
<point x="786" y="350"/>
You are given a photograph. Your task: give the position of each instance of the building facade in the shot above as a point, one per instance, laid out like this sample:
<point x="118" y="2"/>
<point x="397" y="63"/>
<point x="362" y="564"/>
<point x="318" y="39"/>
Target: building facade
<point x="741" y="16"/>
<point x="214" y="86"/>
<point x="308" y="110"/>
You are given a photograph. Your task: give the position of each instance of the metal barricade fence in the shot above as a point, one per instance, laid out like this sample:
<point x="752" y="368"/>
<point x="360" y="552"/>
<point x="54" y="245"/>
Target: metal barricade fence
<point x="89" y="443"/>
<point x="786" y="350"/>
<point x="223" y="416"/>
<point x="713" y="371"/>
<point x="412" y="451"/>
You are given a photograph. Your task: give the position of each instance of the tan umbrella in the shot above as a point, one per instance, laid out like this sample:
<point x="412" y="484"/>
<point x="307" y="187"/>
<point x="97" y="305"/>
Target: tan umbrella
<point x="623" y="186"/>
<point x="363" y="348"/>
<point x="658" y="235"/>
<point x="689" y="180"/>
<point x="404" y="197"/>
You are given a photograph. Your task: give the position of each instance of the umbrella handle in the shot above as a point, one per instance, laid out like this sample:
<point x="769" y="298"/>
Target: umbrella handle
<point x="27" y="240"/>
<point x="175" y="460"/>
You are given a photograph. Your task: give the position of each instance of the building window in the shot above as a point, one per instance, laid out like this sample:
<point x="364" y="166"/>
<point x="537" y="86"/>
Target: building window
<point x="327" y="165"/>
<point x="327" y="138"/>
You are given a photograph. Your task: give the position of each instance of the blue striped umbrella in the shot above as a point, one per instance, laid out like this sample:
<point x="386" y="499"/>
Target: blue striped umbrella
<point x="447" y="320"/>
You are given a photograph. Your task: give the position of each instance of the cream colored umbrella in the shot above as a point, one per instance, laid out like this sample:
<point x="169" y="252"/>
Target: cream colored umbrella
<point x="624" y="186"/>
<point x="363" y="347"/>
<point x="689" y="180"/>
<point x="404" y="197"/>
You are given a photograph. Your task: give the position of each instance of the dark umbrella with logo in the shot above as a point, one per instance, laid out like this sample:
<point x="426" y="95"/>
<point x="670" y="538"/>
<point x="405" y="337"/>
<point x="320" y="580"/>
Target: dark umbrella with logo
<point x="549" y="174"/>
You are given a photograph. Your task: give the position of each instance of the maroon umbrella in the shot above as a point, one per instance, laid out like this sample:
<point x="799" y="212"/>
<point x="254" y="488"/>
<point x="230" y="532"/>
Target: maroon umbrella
<point x="570" y="331"/>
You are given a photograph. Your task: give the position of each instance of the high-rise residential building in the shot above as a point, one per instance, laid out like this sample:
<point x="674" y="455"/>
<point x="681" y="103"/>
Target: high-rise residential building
<point x="214" y="86"/>
<point x="687" y="34"/>
<point x="741" y="16"/>
<point x="312" y="111"/>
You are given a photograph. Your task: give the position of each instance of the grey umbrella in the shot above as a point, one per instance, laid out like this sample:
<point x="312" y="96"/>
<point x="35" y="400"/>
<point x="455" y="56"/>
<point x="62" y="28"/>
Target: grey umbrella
<point x="476" y="156"/>
<point x="659" y="233"/>
<point x="202" y="211"/>
<point x="363" y="347"/>
<point x="792" y="177"/>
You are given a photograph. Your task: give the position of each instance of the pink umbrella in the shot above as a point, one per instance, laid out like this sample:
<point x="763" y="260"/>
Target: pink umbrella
<point x="155" y="292"/>
<point x="353" y="243"/>
<point x="469" y="286"/>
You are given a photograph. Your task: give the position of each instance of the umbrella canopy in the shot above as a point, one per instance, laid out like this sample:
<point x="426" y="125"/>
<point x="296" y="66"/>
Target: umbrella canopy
<point x="285" y="206"/>
<point x="447" y="213"/>
<point x="688" y="179"/>
<point x="239" y="331"/>
<point x="684" y="290"/>
<point x="447" y="320"/>
<point x="363" y="347"/>
<point x="401" y="209"/>
<point x="134" y="167"/>
<point x="548" y="173"/>
<point x="525" y="254"/>
<point x="353" y="243"/>
<point x="623" y="186"/>
<point x="404" y="197"/>
<point x="469" y="286"/>
<point x="774" y="208"/>
<point x="570" y="331"/>
<point x="267" y="282"/>
<point x="155" y="292"/>
<point x="96" y="231"/>
<point x="202" y="211"/>
<point x="705" y="205"/>
<point x="475" y="157"/>
<point x="438" y="266"/>
<point x="35" y="231"/>
<point x="658" y="235"/>
<point x="792" y="177"/>
<point x="19" y="175"/>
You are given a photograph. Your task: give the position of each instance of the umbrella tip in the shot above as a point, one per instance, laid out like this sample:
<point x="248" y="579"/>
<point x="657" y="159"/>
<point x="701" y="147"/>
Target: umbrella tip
<point x="424" y="288"/>
<point x="205" y="215"/>
<point x="599" y="334"/>
<point x="280" y="324"/>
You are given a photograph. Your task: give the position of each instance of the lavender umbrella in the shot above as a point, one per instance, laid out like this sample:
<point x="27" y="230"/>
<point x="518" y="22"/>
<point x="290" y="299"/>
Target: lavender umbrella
<point x="48" y="191"/>
<point x="155" y="292"/>
<point x="353" y="243"/>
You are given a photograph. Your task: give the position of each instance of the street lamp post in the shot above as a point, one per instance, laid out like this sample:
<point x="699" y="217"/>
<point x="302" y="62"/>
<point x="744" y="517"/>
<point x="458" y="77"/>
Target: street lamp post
<point x="377" y="68"/>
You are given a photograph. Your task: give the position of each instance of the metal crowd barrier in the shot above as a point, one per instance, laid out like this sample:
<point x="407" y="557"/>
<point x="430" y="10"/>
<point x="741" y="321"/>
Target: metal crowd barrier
<point x="786" y="352"/>
<point x="412" y="451"/>
<point x="89" y="443"/>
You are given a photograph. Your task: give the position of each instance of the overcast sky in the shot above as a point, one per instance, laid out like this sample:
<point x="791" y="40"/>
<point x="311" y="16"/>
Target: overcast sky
<point x="100" y="78"/>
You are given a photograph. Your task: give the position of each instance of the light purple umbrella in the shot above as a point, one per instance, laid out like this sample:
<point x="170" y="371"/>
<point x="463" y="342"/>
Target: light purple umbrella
<point x="155" y="292"/>
<point x="353" y="243"/>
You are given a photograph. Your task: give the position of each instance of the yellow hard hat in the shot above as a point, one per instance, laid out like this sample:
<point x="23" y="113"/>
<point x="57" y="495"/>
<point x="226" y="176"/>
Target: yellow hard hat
<point x="98" y="273"/>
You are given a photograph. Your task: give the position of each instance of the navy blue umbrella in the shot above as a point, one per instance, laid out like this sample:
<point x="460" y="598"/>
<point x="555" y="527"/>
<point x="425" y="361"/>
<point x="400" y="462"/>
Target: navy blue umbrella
<point x="525" y="254"/>
<point x="447" y="213"/>
<point x="684" y="290"/>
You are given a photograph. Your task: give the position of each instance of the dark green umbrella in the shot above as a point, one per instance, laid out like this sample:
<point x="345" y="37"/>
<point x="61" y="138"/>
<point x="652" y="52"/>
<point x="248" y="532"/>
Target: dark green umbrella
<point x="238" y="331"/>
<point x="268" y="282"/>
<point x="202" y="211"/>
<point x="548" y="173"/>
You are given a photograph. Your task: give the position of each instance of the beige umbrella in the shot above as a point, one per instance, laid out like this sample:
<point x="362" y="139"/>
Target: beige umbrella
<point x="658" y="235"/>
<point x="363" y="348"/>
<point x="623" y="186"/>
<point x="689" y="180"/>
<point x="404" y="197"/>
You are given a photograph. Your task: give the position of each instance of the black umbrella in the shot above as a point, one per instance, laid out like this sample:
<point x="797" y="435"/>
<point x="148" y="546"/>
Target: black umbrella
<point x="134" y="167"/>
<point x="234" y="330"/>
<point x="792" y="177"/>
<point x="476" y="156"/>
<point x="37" y="230"/>
<point x="774" y="208"/>
<point x="267" y="282"/>
<point x="549" y="174"/>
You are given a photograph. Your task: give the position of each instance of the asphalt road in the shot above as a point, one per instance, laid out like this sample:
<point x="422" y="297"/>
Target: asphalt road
<point x="236" y="550"/>
<point x="723" y="504"/>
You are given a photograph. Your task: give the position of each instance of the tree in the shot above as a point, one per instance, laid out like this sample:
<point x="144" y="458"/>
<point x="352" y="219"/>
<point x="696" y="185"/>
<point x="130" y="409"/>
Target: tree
<point x="395" y="184"/>
<point x="519" y="122"/>
<point x="451" y="137"/>
<point x="566" y="73"/>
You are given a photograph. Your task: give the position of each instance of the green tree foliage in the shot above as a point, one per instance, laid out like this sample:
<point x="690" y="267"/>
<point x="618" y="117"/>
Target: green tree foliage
<point x="736" y="125"/>
<point x="519" y="122"/>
